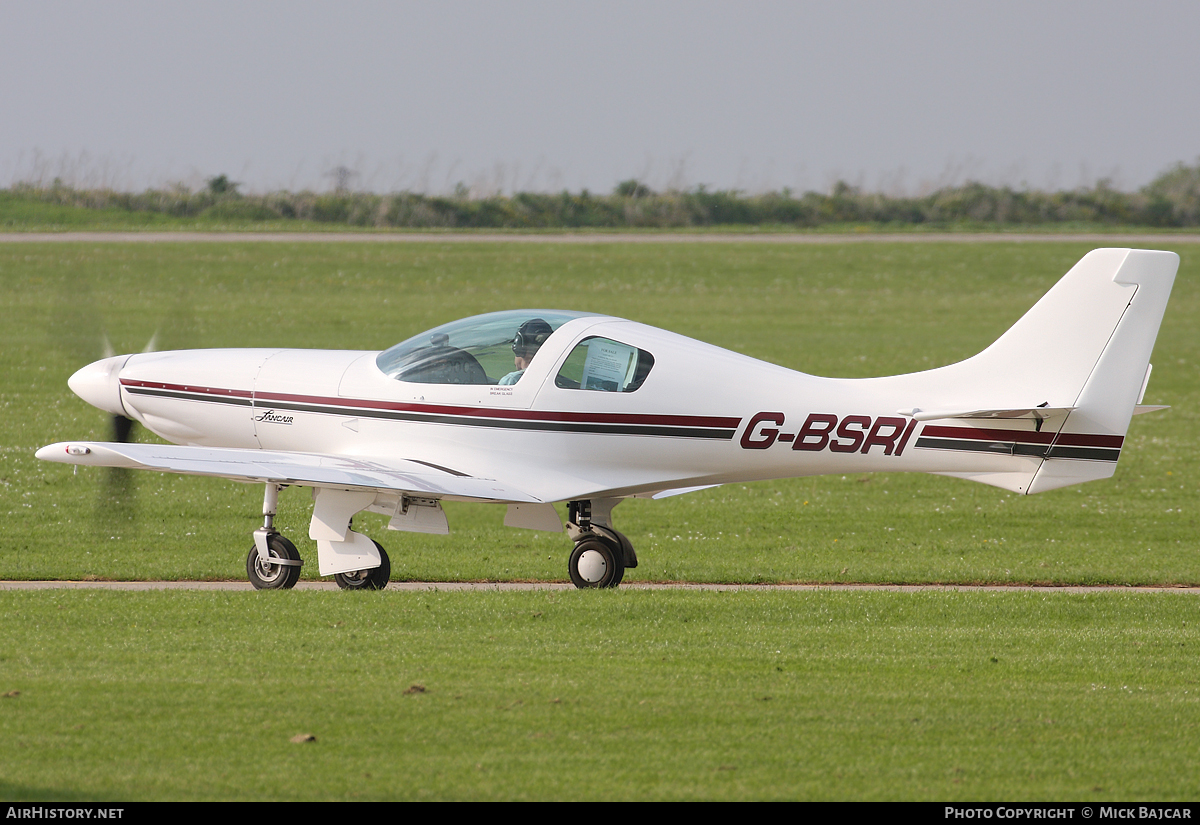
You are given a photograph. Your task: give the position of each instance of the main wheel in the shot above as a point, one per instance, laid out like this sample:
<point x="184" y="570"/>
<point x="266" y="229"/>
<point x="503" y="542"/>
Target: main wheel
<point x="596" y="563"/>
<point x="267" y="576"/>
<point x="376" y="578"/>
<point x="627" y="553"/>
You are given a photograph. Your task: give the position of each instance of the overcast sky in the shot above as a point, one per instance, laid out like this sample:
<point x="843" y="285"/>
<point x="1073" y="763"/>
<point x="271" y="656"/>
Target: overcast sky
<point x="530" y="95"/>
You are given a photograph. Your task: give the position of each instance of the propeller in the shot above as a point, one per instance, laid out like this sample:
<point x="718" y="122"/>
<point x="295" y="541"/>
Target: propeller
<point x="79" y="332"/>
<point x="122" y="426"/>
<point x="122" y="429"/>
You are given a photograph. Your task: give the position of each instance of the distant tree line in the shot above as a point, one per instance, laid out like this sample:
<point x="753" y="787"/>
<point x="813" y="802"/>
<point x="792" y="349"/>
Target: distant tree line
<point x="1171" y="200"/>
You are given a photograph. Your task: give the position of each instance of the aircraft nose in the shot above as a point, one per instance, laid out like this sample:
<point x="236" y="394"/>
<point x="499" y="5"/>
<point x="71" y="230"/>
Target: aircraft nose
<point x="99" y="384"/>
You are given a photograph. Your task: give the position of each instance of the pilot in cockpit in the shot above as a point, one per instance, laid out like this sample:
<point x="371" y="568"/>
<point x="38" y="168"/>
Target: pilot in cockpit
<point x="530" y="337"/>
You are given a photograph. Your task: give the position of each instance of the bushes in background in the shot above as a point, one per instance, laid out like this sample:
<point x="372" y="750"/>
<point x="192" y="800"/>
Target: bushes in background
<point x="1171" y="200"/>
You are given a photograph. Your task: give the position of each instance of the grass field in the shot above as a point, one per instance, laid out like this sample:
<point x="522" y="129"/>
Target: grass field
<point x="611" y="695"/>
<point x="535" y="695"/>
<point x="832" y="310"/>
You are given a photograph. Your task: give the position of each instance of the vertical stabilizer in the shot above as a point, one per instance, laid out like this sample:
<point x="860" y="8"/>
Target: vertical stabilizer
<point x="1125" y="307"/>
<point x="1063" y="382"/>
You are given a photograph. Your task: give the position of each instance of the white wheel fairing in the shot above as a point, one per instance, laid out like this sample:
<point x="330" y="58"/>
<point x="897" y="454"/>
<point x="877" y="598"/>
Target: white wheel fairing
<point x="375" y="578"/>
<point x="592" y="566"/>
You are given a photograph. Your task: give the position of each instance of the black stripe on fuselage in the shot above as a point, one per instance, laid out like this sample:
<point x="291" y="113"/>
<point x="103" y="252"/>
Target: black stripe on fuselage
<point x="1086" y="453"/>
<point x="510" y="423"/>
<point x="999" y="447"/>
<point x="1018" y="448"/>
<point x="207" y="397"/>
<point x="544" y="425"/>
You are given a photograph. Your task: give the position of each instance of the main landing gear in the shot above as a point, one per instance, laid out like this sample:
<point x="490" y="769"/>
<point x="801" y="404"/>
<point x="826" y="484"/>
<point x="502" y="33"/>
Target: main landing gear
<point x="376" y="578"/>
<point x="274" y="562"/>
<point x="602" y="553"/>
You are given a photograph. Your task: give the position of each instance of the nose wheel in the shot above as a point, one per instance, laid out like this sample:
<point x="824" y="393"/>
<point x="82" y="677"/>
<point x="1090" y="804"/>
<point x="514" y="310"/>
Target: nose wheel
<point x="596" y="562"/>
<point x="280" y="570"/>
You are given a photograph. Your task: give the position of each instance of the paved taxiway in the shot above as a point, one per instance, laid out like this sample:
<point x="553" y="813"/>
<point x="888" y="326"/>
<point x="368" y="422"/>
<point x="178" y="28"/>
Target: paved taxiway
<point x="402" y="587"/>
<point x="1116" y="239"/>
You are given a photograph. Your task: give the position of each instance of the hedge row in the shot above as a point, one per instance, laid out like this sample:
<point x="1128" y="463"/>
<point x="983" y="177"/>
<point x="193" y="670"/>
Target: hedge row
<point x="1171" y="200"/>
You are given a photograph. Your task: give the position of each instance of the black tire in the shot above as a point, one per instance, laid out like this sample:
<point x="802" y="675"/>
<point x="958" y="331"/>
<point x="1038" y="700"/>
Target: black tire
<point x="628" y="554"/>
<point x="596" y="562"/>
<point x="376" y="578"/>
<point x="267" y="576"/>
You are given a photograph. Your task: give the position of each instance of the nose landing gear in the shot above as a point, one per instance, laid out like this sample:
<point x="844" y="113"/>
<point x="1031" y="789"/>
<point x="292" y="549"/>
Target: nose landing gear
<point x="280" y="570"/>
<point x="274" y="562"/>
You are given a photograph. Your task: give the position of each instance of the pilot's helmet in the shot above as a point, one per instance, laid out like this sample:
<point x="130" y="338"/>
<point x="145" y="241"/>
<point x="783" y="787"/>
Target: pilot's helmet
<point x="530" y="337"/>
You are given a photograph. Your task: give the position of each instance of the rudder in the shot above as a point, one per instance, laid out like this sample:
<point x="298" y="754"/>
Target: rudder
<point x="1072" y="368"/>
<point x="1089" y="442"/>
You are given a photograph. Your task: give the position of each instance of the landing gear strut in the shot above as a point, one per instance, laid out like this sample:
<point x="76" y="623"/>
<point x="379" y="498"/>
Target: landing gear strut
<point x="601" y="553"/>
<point x="273" y="562"/>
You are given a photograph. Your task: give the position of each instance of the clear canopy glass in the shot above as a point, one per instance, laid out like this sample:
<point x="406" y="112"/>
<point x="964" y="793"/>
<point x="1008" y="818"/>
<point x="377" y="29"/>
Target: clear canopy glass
<point x="476" y="350"/>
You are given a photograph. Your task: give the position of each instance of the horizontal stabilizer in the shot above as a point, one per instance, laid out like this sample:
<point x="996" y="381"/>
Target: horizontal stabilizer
<point x="301" y="469"/>
<point x="1036" y="413"/>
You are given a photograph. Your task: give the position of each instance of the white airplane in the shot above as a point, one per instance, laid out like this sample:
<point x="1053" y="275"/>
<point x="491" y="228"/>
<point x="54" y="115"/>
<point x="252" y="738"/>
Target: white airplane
<point x="533" y="407"/>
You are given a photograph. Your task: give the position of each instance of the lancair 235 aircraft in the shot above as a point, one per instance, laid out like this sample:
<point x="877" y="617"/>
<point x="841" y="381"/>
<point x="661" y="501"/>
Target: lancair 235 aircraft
<point x="535" y="407"/>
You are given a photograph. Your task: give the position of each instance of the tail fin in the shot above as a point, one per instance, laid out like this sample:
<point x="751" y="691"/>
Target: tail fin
<point x="1115" y="383"/>
<point x="1083" y="352"/>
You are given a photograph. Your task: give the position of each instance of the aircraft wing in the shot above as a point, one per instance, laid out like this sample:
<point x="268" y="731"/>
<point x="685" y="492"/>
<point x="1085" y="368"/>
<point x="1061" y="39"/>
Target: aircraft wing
<point x="302" y="469"/>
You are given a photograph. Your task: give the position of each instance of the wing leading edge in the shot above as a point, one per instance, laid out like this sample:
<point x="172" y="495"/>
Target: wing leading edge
<point x="301" y="469"/>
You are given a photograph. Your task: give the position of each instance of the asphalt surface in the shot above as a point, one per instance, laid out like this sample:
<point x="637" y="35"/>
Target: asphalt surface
<point x="404" y="587"/>
<point x="1115" y="239"/>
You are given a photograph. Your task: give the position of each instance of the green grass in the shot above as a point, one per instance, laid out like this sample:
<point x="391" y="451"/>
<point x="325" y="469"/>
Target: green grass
<point x="842" y="310"/>
<point x="606" y="696"/>
<point x="593" y="695"/>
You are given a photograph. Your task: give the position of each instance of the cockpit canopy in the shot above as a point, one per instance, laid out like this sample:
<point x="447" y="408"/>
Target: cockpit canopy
<point x="477" y="350"/>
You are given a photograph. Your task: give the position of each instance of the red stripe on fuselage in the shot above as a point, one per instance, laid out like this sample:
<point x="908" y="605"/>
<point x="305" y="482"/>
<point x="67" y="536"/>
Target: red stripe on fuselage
<point x="445" y="409"/>
<point x="980" y="433"/>
<point x="159" y="385"/>
<point x="1089" y="440"/>
<point x="1026" y="437"/>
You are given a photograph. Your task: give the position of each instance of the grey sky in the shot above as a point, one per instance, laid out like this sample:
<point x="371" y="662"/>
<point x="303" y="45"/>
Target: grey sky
<point x="896" y="96"/>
